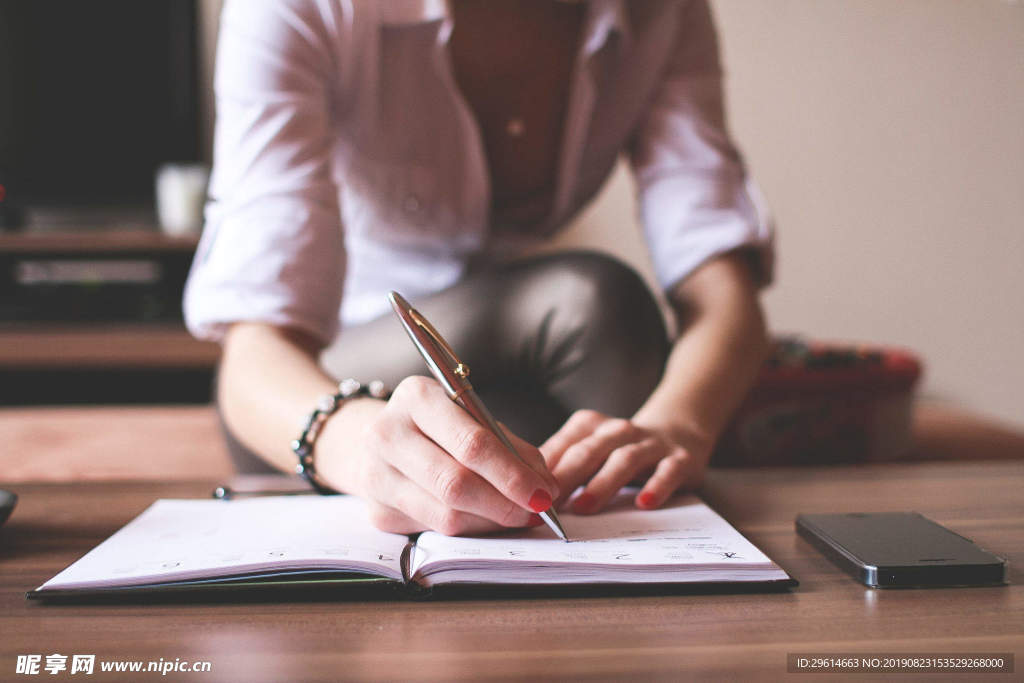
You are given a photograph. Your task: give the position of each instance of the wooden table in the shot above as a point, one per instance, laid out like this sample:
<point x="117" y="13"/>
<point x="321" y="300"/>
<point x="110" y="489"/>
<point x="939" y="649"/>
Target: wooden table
<point x="173" y="442"/>
<point x="738" y="636"/>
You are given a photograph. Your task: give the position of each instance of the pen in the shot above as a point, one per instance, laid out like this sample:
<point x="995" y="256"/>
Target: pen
<point x="228" y="493"/>
<point x="453" y="375"/>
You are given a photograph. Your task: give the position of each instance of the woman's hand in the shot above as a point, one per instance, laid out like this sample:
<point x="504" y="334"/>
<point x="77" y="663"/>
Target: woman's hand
<point x="421" y="462"/>
<point x="603" y="454"/>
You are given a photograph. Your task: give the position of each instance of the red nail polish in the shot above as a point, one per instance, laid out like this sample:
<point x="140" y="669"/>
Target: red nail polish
<point x="535" y="520"/>
<point x="584" y="503"/>
<point x="647" y="499"/>
<point x="540" y="500"/>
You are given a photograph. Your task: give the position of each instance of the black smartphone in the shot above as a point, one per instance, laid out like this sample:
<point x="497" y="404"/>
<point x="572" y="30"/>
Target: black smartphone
<point x="900" y="550"/>
<point x="7" y="501"/>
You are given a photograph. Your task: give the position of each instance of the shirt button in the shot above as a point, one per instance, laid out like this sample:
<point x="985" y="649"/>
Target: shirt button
<point x="412" y="204"/>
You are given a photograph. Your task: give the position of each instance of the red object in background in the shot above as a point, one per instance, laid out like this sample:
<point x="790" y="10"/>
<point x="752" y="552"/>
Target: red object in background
<point x="824" y="403"/>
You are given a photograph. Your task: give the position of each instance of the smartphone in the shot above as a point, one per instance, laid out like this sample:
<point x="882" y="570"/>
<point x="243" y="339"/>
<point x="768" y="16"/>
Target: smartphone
<point x="900" y="550"/>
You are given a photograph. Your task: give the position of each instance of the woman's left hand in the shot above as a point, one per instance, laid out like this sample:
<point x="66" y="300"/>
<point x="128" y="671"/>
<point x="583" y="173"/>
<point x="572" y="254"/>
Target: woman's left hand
<point x="604" y="453"/>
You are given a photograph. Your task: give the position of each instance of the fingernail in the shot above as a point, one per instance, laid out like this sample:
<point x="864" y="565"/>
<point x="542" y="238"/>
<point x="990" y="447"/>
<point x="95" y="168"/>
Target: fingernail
<point x="535" y="520"/>
<point x="540" y="500"/>
<point x="584" y="503"/>
<point x="647" y="500"/>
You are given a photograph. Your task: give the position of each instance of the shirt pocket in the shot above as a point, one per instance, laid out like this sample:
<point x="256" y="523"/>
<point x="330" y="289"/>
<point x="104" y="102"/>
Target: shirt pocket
<point x="401" y="203"/>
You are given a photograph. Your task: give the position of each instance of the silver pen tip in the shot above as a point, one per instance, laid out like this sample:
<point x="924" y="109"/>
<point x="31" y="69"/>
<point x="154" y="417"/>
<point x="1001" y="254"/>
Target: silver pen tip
<point x="551" y="519"/>
<point x="397" y="301"/>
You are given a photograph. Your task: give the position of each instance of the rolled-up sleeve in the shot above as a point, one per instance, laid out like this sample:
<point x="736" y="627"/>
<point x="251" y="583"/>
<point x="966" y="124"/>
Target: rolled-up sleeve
<point x="272" y="246"/>
<point x="695" y="198"/>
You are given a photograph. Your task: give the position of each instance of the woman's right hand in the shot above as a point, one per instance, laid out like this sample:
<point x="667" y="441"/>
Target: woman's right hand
<point x="421" y="462"/>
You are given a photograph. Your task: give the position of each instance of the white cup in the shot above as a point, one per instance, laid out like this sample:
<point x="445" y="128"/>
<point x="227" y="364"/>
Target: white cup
<point x="180" y="196"/>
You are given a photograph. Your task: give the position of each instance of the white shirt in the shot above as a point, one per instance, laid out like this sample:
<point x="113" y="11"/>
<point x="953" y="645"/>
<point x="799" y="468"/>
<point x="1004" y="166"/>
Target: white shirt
<point x="346" y="162"/>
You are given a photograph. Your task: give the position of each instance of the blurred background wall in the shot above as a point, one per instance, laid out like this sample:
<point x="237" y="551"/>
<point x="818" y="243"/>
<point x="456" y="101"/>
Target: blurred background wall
<point x="888" y="138"/>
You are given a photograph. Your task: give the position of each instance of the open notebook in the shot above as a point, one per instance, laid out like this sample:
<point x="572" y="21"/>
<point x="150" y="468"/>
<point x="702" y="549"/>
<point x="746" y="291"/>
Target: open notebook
<point x="324" y="541"/>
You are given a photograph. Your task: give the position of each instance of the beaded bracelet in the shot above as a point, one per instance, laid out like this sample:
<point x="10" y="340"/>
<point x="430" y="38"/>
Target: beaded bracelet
<point x="328" y="404"/>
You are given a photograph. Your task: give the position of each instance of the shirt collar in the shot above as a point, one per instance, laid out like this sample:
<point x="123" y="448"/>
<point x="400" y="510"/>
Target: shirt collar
<point x="399" y="12"/>
<point x="604" y="18"/>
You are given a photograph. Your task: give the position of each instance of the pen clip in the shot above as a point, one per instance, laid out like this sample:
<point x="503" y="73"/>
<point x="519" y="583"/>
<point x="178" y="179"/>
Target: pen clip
<point x="457" y="366"/>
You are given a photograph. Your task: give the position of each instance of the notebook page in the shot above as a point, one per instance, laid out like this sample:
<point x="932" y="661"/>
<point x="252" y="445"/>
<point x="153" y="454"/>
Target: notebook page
<point x="686" y="534"/>
<point x="192" y="539"/>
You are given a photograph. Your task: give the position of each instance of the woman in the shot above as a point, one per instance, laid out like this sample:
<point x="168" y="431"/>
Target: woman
<point x="422" y="146"/>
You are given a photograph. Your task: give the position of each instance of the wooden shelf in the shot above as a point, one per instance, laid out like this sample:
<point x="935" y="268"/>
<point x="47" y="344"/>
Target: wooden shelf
<point x="147" y="346"/>
<point x="89" y="346"/>
<point x="92" y="240"/>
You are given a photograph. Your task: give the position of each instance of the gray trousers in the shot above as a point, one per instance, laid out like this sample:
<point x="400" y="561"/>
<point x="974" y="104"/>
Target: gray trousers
<point x="543" y="337"/>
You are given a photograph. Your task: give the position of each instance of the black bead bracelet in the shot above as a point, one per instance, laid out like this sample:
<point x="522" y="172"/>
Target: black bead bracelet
<point x="328" y="404"/>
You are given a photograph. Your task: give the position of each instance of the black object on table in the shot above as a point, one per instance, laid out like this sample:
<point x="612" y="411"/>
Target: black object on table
<point x="7" y="502"/>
